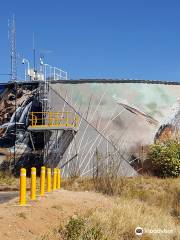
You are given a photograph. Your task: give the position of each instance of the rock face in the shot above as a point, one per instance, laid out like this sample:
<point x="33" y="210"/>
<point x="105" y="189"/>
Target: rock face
<point x="170" y="125"/>
<point x="17" y="101"/>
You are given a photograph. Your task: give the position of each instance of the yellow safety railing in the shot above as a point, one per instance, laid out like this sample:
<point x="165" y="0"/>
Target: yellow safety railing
<point x="54" y="119"/>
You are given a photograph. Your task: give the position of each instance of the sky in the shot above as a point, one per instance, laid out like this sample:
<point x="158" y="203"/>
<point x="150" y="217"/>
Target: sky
<point x="118" y="39"/>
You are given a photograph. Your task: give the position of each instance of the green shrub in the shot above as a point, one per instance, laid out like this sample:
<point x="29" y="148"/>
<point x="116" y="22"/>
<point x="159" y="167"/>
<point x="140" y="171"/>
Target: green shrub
<point x="80" y="229"/>
<point x="165" y="158"/>
<point x="74" y="228"/>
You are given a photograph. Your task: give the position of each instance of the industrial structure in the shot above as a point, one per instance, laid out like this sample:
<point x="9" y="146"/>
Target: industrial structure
<point x="47" y="119"/>
<point x="50" y="120"/>
<point x="72" y="123"/>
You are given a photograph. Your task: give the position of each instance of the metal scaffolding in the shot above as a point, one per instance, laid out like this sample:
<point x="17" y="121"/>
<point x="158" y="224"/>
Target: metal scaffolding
<point x="52" y="124"/>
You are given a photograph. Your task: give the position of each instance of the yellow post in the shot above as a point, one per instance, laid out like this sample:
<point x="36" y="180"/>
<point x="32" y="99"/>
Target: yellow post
<point x="33" y="183"/>
<point x="42" y="181"/>
<point x="67" y="119"/>
<point x="54" y="179"/>
<point x="58" y="178"/>
<point x="48" y="180"/>
<point x="22" y="197"/>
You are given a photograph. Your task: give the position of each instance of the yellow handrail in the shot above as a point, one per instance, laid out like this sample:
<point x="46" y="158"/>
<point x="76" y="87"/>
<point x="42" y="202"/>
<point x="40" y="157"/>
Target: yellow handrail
<point x="54" y="119"/>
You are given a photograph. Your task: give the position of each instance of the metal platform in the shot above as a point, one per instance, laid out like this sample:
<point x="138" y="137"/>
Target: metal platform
<point x="48" y="128"/>
<point x="45" y="121"/>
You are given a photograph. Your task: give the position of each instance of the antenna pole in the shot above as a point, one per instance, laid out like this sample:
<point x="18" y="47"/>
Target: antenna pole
<point x="34" y="52"/>
<point x="13" y="55"/>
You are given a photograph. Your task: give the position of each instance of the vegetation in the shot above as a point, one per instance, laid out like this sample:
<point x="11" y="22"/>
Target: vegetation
<point x="165" y="158"/>
<point x="155" y="192"/>
<point x="81" y="229"/>
<point x="149" y="202"/>
<point x="8" y="180"/>
<point x="119" y="221"/>
<point x="146" y="201"/>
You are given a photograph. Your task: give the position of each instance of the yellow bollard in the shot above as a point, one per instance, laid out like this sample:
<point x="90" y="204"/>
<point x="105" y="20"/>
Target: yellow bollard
<point x="48" y="180"/>
<point x="58" y="178"/>
<point x="54" y="179"/>
<point x="22" y="197"/>
<point x="33" y="183"/>
<point x="42" y="181"/>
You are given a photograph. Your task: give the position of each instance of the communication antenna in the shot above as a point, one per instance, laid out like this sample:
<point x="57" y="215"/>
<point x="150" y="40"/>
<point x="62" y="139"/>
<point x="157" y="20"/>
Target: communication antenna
<point x="12" y="37"/>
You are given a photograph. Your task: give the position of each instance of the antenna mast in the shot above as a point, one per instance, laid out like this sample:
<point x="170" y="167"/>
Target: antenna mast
<point x="34" y="53"/>
<point x="12" y="31"/>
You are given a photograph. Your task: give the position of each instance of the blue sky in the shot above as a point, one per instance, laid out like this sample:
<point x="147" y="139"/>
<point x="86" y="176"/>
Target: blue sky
<point x="97" y="38"/>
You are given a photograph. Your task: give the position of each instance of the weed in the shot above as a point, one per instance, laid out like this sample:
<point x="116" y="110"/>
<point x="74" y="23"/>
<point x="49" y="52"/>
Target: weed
<point x="22" y="215"/>
<point x="57" y="207"/>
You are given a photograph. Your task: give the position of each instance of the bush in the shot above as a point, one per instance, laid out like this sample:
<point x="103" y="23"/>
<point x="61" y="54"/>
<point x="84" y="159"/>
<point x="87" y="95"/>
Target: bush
<point x="80" y="229"/>
<point x="74" y="228"/>
<point x="165" y="158"/>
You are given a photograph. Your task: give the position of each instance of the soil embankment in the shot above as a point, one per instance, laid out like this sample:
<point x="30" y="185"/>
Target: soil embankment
<point x="45" y="214"/>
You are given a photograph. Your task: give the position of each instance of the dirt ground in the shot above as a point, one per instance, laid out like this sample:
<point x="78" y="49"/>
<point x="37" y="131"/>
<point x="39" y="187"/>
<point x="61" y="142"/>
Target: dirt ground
<point x="38" y="217"/>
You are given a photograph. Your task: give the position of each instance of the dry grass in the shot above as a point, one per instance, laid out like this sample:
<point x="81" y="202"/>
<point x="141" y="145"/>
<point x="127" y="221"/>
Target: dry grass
<point x="78" y="184"/>
<point x="156" y="192"/>
<point x="120" y="221"/>
<point x="149" y="202"/>
<point x="8" y="180"/>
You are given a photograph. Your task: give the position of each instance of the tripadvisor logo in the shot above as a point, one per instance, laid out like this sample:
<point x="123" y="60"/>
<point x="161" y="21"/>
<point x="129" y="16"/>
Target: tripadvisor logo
<point x="139" y="231"/>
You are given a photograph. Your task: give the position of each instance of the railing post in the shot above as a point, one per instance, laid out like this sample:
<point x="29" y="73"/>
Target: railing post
<point x="50" y="119"/>
<point x="22" y="197"/>
<point x="76" y="120"/>
<point x="33" y="183"/>
<point x="54" y="179"/>
<point x="49" y="180"/>
<point x="67" y="119"/>
<point x="56" y="118"/>
<point x="42" y="181"/>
